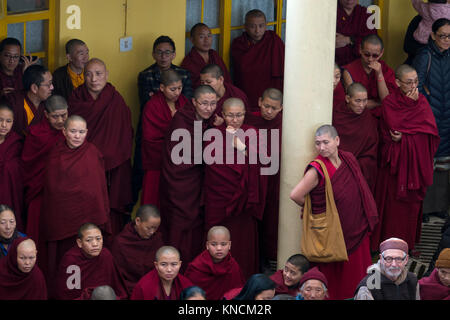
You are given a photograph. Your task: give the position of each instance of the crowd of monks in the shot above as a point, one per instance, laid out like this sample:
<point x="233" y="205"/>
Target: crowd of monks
<point x="69" y="183"/>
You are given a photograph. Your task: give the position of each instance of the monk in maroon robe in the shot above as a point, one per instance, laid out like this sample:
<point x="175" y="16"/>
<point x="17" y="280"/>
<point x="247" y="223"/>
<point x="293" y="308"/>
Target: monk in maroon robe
<point x="86" y="265"/>
<point x="270" y="118"/>
<point x="110" y="130"/>
<point x="215" y="270"/>
<point x="164" y="282"/>
<point x="156" y="117"/>
<point x="20" y="277"/>
<point x="134" y="249"/>
<point x="355" y="205"/>
<point x="233" y="190"/>
<point x="212" y="75"/>
<point x="258" y="58"/>
<point x="28" y="104"/>
<point x="288" y="279"/>
<point x="358" y="130"/>
<point x="338" y="88"/>
<point x="437" y="285"/>
<point x="11" y="169"/>
<point x="201" y="54"/>
<point x="182" y="174"/>
<point x="409" y="142"/>
<point x="41" y="138"/>
<point x="75" y="184"/>
<point x="374" y="74"/>
<point x="351" y="26"/>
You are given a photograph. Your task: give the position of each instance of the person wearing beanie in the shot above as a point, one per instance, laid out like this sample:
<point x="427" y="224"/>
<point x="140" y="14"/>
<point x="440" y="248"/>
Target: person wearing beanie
<point x="313" y="286"/>
<point x="389" y="278"/>
<point x="437" y="285"/>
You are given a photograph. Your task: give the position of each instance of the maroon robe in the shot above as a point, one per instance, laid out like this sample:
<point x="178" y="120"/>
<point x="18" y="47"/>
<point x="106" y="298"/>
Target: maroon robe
<point x="431" y="288"/>
<point x="14" y="81"/>
<point x="151" y="288"/>
<point x="17" y="285"/>
<point x="16" y="101"/>
<point x="194" y="63"/>
<point x="134" y="256"/>
<point x="269" y="224"/>
<point x="258" y="66"/>
<point x="215" y="278"/>
<point x="109" y="124"/>
<point x="234" y="198"/>
<point x="406" y="167"/>
<point x="355" y="26"/>
<point x="40" y="140"/>
<point x="92" y="272"/>
<point x="358" y="216"/>
<point x="358" y="134"/>
<point x="11" y="175"/>
<point x="370" y="82"/>
<point x="281" y="288"/>
<point x="181" y="188"/>
<point x="156" y="118"/>
<point x="338" y="94"/>
<point x="231" y="92"/>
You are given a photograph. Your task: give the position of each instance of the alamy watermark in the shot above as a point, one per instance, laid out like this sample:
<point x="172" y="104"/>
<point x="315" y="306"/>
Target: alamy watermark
<point x="374" y="21"/>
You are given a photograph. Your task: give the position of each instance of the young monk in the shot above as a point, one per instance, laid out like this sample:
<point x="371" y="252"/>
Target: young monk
<point x="135" y="247"/>
<point x="41" y="138"/>
<point x="258" y="58"/>
<point x="202" y="54"/>
<point x="20" y="277"/>
<point x="288" y="279"/>
<point x="156" y="117"/>
<point x="213" y="76"/>
<point x="233" y="189"/>
<point x="215" y="270"/>
<point x="88" y="264"/>
<point x="74" y="183"/>
<point x="11" y="171"/>
<point x="164" y="282"/>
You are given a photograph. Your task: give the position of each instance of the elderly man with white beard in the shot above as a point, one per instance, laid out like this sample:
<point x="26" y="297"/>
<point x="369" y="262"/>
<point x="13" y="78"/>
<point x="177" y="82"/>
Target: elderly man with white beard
<point x="389" y="279"/>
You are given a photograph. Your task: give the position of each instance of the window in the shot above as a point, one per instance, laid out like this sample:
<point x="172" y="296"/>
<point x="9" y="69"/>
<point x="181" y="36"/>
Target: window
<point x="32" y="23"/>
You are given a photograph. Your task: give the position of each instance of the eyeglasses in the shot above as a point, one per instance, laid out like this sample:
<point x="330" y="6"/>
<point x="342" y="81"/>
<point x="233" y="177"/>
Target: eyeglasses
<point x="373" y="55"/>
<point x="237" y="115"/>
<point x="391" y="259"/>
<point x="443" y="36"/>
<point x="410" y="82"/>
<point x="163" y="53"/>
<point x="46" y="84"/>
<point x="10" y="57"/>
<point x="207" y="104"/>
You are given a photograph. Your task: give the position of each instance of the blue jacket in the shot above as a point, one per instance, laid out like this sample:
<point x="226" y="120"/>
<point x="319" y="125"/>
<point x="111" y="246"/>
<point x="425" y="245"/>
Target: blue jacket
<point x="433" y="69"/>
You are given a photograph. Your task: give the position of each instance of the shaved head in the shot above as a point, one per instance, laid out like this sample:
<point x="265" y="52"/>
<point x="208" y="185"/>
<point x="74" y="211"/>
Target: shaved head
<point x="166" y="250"/>
<point x="372" y="39"/>
<point x="146" y="211"/>
<point x="55" y="103"/>
<point x="354" y="88"/>
<point x="233" y="102"/>
<point x="213" y="69"/>
<point x="327" y="129"/>
<point x="95" y="61"/>
<point x="273" y="94"/>
<point x="170" y="76"/>
<point x="218" y="230"/>
<point x="85" y="227"/>
<point x="402" y="70"/>
<point x="28" y="244"/>
<point x="103" y="293"/>
<point x="74" y="118"/>
<point x="204" y="89"/>
<point x="255" y="13"/>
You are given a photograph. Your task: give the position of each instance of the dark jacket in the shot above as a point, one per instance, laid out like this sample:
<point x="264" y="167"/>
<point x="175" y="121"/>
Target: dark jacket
<point x="433" y="69"/>
<point x="61" y="82"/>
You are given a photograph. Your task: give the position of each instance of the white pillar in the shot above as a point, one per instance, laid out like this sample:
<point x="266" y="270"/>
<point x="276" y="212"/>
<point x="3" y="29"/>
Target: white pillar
<point x="308" y="98"/>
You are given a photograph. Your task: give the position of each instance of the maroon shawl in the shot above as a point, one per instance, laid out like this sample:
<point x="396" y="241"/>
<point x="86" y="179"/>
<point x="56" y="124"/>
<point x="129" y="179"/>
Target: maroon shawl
<point x="134" y="256"/>
<point x="74" y="191"/>
<point x="14" y="81"/>
<point x="281" y="288"/>
<point x="354" y="200"/>
<point x="358" y="134"/>
<point x="258" y="66"/>
<point x="194" y="63"/>
<point x="16" y="101"/>
<point x="231" y="92"/>
<point x="16" y="285"/>
<point x="355" y="26"/>
<point x="108" y="121"/>
<point x="150" y="287"/>
<point x="215" y="278"/>
<point x="431" y="288"/>
<point x="93" y="272"/>
<point x="11" y="175"/>
<point x="156" y="118"/>
<point x="411" y="159"/>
